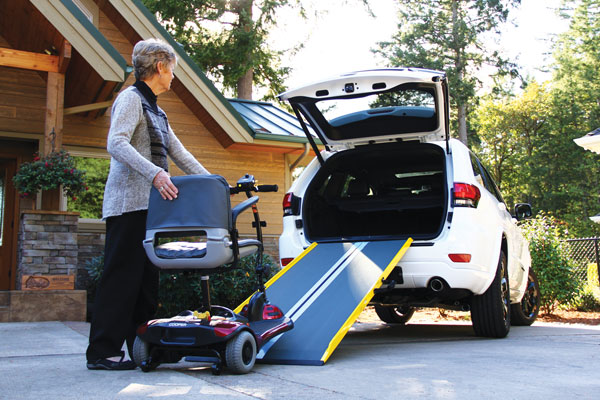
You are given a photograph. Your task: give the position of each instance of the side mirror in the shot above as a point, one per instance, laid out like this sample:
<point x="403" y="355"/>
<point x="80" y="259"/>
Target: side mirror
<point x="523" y="211"/>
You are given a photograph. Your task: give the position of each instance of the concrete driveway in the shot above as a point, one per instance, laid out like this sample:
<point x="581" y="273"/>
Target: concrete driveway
<point x="374" y="361"/>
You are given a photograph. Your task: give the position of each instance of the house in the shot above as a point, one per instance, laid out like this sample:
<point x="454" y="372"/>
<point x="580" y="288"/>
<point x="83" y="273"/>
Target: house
<point x="62" y="63"/>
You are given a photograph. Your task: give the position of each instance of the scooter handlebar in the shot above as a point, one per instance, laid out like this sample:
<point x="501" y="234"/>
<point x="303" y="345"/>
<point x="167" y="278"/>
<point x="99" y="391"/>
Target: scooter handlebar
<point x="267" y="188"/>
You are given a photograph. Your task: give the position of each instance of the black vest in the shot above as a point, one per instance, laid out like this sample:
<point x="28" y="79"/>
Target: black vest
<point x="158" y="129"/>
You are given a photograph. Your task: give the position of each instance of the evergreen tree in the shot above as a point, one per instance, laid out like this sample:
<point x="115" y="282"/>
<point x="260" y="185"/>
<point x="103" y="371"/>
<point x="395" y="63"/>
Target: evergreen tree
<point x="447" y="35"/>
<point x="527" y="140"/>
<point x="228" y="40"/>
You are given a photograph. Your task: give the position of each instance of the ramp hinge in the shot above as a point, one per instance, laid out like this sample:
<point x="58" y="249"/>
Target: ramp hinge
<point x="391" y="285"/>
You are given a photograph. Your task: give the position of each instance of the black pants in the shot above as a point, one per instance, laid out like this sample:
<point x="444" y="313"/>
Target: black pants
<point x="128" y="292"/>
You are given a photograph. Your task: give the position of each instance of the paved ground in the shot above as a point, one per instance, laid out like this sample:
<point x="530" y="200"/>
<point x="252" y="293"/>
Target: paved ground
<point x="375" y="361"/>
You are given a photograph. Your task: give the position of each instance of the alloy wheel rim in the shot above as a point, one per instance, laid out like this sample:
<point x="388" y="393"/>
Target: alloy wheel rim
<point x="504" y="291"/>
<point x="529" y="303"/>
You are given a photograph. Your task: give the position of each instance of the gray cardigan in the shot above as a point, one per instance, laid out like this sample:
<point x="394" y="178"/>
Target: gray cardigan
<point x="131" y="171"/>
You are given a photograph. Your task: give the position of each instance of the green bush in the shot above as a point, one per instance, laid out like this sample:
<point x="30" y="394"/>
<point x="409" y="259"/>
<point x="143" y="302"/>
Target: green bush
<point x="550" y="260"/>
<point x="94" y="267"/>
<point x="181" y="291"/>
<point x="589" y="293"/>
<point x="592" y="275"/>
<point x="586" y="300"/>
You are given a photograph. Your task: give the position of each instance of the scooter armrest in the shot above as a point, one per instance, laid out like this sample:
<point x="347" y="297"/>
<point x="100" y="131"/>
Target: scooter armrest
<point x="237" y="210"/>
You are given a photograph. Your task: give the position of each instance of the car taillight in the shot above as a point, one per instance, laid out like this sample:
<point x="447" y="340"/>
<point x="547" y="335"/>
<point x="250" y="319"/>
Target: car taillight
<point x="460" y="258"/>
<point x="291" y="204"/>
<point x="466" y="195"/>
<point x="286" y="261"/>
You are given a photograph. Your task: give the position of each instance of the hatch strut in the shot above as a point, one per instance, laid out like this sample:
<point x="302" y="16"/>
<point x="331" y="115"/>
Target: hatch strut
<point x="447" y="113"/>
<point x="308" y="135"/>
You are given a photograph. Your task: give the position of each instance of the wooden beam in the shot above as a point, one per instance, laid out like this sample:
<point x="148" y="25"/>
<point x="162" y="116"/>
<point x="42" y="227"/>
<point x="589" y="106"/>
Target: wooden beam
<point x="28" y="60"/>
<point x="87" y="107"/>
<point x="64" y="57"/>
<point x="53" y="126"/>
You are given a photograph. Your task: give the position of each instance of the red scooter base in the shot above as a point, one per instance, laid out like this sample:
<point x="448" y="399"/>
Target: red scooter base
<point x="221" y="338"/>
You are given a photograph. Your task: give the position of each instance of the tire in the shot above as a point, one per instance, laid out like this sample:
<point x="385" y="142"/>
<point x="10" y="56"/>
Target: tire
<point x="394" y="314"/>
<point x="526" y="312"/>
<point x="240" y="353"/>
<point x="141" y="355"/>
<point x="490" y="311"/>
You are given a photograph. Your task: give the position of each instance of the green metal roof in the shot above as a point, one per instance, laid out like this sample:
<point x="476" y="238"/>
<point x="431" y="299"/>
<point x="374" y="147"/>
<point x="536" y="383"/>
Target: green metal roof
<point x="269" y="122"/>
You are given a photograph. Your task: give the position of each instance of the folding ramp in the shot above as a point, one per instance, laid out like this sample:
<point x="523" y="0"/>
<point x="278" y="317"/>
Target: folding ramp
<point x="323" y="291"/>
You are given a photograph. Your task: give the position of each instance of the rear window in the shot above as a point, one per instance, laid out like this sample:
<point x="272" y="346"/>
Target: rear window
<point x="407" y="108"/>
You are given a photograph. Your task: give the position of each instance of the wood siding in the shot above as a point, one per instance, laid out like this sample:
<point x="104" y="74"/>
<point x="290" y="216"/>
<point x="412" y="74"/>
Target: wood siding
<point x="22" y="107"/>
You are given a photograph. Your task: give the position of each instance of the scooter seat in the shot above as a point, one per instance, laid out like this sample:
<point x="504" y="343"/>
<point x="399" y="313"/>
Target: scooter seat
<point x="175" y="250"/>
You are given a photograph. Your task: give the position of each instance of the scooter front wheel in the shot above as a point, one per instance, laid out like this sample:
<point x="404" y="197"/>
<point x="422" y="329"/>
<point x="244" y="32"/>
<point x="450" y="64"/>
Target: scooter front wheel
<point x="240" y="353"/>
<point x="141" y="355"/>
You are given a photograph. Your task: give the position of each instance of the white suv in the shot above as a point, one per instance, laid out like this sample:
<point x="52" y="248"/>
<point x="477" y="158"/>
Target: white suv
<point x="390" y="171"/>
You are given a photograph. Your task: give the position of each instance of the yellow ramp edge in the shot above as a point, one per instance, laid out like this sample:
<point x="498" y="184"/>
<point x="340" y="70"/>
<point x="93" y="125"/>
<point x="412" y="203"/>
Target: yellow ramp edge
<point x="361" y="306"/>
<point x="279" y="274"/>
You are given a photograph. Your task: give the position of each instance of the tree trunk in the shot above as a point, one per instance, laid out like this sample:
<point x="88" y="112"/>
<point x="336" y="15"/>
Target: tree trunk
<point x="462" y="123"/>
<point x="460" y="71"/>
<point x="244" y="84"/>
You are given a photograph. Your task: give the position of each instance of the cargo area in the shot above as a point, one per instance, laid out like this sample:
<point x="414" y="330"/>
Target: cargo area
<point x="378" y="192"/>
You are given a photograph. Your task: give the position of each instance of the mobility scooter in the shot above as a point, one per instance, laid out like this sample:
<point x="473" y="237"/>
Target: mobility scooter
<point x="212" y="334"/>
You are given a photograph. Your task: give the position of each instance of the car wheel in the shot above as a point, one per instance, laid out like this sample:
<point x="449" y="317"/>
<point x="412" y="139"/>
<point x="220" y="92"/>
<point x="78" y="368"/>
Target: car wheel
<point x="141" y="355"/>
<point x="490" y="311"/>
<point x="394" y="314"/>
<point x="240" y="353"/>
<point x="526" y="312"/>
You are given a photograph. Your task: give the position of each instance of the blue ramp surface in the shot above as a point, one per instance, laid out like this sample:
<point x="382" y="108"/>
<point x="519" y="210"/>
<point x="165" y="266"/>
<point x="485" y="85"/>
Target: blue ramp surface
<point x="323" y="291"/>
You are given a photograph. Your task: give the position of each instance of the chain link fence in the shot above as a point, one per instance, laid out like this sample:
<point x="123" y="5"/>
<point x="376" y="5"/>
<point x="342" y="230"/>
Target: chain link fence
<point x="584" y="252"/>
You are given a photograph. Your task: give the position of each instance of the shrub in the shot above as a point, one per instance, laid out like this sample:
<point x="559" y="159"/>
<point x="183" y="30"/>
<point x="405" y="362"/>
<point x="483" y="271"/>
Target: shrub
<point x="592" y="275"/>
<point x="589" y="293"/>
<point x="550" y="260"/>
<point x="182" y="291"/>
<point x="586" y="300"/>
<point x="94" y="267"/>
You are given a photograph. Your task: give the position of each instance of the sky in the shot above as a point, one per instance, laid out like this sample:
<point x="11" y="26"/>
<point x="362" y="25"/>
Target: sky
<point x="340" y="39"/>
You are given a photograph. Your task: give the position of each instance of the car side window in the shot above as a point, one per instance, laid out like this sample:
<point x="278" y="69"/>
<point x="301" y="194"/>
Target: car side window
<point x="476" y="169"/>
<point x="488" y="181"/>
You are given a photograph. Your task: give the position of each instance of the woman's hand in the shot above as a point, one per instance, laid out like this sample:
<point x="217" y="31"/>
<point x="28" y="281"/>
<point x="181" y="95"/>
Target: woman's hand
<point x="162" y="182"/>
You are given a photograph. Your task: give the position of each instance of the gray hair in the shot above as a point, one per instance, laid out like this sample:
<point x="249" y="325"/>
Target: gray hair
<point x="147" y="53"/>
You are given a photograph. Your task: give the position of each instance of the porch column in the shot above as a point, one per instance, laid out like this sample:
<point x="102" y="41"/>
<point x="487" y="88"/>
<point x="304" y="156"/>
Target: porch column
<point x="55" y="101"/>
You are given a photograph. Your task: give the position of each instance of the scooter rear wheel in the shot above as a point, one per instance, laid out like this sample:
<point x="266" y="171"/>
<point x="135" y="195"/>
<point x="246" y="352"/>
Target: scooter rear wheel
<point x="240" y="353"/>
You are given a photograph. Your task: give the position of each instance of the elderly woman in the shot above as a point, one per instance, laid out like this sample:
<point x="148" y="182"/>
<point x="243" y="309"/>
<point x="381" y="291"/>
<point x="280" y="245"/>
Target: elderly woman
<point x="139" y="141"/>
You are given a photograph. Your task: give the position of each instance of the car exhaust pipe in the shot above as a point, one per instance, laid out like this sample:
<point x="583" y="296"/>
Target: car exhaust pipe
<point x="437" y="285"/>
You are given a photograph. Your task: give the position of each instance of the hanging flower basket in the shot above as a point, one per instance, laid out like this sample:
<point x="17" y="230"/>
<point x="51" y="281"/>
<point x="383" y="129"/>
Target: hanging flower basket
<point x="50" y="172"/>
